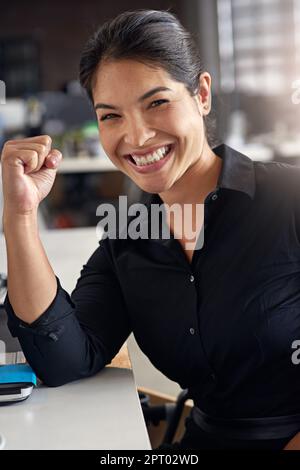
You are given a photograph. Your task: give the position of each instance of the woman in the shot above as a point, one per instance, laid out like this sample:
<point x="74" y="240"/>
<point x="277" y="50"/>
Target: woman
<point x="217" y="316"/>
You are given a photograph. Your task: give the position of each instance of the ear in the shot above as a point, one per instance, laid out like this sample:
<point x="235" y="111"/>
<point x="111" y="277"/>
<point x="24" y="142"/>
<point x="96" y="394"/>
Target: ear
<point x="203" y="96"/>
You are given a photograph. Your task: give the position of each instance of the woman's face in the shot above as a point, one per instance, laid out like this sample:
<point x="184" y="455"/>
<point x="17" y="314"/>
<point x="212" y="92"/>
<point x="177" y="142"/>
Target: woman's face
<point x="149" y="125"/>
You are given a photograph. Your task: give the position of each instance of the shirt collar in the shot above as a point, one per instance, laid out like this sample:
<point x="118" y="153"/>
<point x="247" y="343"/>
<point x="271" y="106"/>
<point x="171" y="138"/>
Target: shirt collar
<point x="237" y="173"/>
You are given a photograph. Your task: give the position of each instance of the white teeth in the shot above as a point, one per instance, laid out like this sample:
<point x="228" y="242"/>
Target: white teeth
<point x="151" y="157"/>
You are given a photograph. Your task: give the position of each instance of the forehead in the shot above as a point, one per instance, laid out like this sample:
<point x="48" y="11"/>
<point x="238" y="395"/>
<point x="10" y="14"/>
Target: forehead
<point x="114" y="78"/>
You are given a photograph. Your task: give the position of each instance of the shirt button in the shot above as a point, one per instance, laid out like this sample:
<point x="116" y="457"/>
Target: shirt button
<point x="214" y="197"/>
<point x="192" y="331"/>
<point x="192" y="278"/>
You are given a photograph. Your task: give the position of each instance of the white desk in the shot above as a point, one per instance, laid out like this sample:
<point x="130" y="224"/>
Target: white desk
<point x="101" y="412"/>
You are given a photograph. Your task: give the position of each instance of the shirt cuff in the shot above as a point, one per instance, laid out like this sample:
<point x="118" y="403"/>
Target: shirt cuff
<point x="50" y="323"/>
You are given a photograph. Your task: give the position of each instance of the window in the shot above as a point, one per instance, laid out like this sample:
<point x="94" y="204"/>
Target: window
<point x="20" y="66"/>
<point x="259" y="43"/>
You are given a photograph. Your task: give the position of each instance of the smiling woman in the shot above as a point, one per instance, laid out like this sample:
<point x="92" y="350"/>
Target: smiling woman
<point x="219" y="318"/>
<point x="155" y="38"/>
<point x="152" y="96"/>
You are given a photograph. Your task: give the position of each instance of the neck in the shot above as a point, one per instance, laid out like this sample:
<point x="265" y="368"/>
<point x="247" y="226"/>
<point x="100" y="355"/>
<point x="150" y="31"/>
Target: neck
<point x="197" y="182"/>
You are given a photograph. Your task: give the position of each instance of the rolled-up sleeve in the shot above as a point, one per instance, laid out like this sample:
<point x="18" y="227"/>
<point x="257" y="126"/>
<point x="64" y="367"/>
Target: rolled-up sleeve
<point x="78" y="334"/>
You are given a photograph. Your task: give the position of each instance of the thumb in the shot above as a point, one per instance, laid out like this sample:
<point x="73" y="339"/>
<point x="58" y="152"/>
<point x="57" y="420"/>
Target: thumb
<point x="53" y="159"/>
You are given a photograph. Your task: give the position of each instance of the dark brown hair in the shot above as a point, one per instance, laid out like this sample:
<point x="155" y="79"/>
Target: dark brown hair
<point x="150" y="36"/>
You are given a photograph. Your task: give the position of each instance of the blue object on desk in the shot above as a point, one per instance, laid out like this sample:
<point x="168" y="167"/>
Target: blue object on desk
<point x="17" y="373"/>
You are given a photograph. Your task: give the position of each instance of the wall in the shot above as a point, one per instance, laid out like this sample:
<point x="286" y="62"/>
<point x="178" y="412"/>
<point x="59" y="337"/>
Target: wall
<point x="62" y="27"/>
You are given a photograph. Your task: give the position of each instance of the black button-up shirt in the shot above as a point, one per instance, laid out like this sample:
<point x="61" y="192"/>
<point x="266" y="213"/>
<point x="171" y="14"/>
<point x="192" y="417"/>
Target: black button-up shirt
<point x="222" y="326"/>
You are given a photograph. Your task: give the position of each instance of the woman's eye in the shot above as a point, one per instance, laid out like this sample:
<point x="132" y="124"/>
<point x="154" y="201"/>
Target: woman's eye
<point x="106" y="116"/>
<point x="157" y="103"/>
<point x="154" y="104"/>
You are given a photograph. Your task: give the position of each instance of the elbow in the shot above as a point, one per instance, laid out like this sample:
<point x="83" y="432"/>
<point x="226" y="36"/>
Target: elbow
<point x="60" y="379"/>
<point x="55" y="376"/>
<point x="55" y="381"/>
<point x="52" y="382"/>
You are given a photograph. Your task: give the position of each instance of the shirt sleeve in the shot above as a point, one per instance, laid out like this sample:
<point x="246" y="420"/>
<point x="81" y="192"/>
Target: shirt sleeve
<point x="77" y="335"/>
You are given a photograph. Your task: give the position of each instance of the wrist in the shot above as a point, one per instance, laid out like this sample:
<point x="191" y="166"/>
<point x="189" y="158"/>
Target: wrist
<point x="13" y="219"/>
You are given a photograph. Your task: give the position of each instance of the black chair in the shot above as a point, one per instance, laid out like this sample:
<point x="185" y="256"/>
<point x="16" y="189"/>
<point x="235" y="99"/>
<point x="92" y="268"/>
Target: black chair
<point x="169" y="412"/>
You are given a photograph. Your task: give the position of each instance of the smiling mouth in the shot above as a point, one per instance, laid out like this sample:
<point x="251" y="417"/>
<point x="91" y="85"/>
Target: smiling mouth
<point x="155" y="160"/>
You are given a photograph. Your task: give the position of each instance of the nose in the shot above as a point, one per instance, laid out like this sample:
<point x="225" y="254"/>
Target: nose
<point x="137" y="132"/>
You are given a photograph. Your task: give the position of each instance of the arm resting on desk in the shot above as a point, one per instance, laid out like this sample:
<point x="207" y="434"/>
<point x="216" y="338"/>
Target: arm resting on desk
<point x="79" y="334"/>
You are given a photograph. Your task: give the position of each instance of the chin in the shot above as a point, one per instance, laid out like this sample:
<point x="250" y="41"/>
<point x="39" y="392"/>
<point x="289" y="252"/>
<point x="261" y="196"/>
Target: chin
<point x="153" y="188"/>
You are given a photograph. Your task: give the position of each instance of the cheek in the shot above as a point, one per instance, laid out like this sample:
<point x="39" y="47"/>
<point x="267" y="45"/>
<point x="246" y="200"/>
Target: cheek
<point x="170" y="123"/>
<point x="181" y="121"/>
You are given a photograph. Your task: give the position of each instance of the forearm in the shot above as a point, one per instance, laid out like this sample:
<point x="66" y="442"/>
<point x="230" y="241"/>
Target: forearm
<point x="76" y="336"/>
<point x="31" y="281"/>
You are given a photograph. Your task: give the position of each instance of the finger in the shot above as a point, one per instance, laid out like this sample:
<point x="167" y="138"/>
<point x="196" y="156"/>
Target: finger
<point x="42" y="139"/>
<point x="27" y="158"/>
<point x="41" y="149"/>
<point x="41" y="143"/>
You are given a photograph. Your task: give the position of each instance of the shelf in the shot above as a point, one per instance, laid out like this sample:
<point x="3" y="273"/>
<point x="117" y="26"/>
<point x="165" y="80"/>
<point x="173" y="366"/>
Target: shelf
<point x="86" y="165"/>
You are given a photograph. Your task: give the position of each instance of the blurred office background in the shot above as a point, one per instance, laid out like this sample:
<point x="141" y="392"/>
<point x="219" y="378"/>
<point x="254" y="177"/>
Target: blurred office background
<point x="250" y="47"/>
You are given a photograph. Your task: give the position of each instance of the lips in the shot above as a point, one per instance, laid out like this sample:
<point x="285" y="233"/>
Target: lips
<point x="149" y="151"/>
<point x="151" y="167"/>
<point x="140" y="153"/>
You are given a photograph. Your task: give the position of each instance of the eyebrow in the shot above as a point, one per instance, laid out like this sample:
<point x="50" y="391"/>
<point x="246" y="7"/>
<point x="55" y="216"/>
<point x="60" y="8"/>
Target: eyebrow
<point x="141" y="98"/>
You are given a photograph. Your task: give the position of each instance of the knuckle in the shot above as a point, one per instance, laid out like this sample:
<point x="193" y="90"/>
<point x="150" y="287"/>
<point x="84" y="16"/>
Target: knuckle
<point x="41" y="147"/>
<point x="5" y="152"/>
<point x="46" y="140"/>
<point x="32" y="157"/>
<point x="34" y="153"/>
<point x="7" y="144"/>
